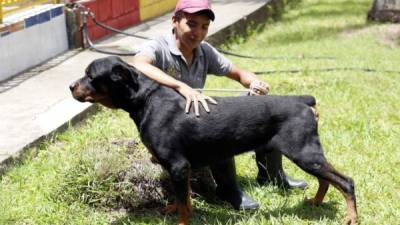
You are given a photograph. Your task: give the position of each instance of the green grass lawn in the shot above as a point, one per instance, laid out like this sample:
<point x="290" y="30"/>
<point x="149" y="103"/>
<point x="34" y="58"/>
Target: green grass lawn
<point x="71" y="178"/>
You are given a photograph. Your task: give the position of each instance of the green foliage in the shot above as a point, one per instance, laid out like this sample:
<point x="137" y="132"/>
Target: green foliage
<point x="93" y="180"/>
<point x="76" y="177"/>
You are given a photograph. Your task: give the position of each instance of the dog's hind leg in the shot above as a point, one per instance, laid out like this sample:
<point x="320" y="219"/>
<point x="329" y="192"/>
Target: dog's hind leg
<point x="346" y="186"/>
<point x="298" y="140"/>
<point x="306" y="151"/>
<point x="315" y="163"/>
<point x="322" y="189"/>
<point x="180" y="172"/>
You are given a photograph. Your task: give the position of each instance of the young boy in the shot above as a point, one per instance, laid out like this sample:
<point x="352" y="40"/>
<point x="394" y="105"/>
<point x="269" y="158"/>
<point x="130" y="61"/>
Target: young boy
<point x="181" y="60"/>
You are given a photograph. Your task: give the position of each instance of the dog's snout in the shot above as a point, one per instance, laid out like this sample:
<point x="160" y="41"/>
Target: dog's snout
<point x="73" y="86"/>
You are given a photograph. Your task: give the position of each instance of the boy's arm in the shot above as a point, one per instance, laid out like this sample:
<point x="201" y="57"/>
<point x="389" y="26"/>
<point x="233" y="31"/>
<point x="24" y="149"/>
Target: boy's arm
<point x="144" y="65"/>
<point x="249" y="80"/>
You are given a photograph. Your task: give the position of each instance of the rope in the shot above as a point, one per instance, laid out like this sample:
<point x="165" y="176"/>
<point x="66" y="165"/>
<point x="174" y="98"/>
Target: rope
<point x="86" y="12"/>
<point x="222" y="90"/>
<point x="105" y="26"/>
<point x="275" y="57"/>
<point x="368" y="70"/>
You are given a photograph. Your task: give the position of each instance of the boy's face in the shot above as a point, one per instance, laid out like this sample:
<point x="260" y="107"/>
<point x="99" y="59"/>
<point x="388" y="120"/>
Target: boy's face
<point x="191" y="29"/>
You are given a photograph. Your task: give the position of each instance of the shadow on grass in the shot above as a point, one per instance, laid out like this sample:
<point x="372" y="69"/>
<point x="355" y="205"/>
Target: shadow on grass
<point x="255" y="23"/>
<point x="306" y="211"/>
<point x="325" y="9"/>
<point x="223" y="214"/>
<point x="218" y="212"/>
<point x="314" y="29"/>
<point x="301" y="210"/>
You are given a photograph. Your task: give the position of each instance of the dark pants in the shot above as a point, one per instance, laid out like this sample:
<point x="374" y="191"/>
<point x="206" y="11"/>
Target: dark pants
<point x="269" y="167"/>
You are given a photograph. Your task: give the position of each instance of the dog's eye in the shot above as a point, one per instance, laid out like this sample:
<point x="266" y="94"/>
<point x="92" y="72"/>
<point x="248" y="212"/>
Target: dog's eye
<point x="89" y="76"/>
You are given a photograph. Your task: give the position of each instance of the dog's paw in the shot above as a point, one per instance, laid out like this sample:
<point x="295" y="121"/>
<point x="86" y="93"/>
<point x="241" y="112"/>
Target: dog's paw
<point x="169" y="209"/>
<point x="312" y="201"/>
<point x="350" y="220"/>
<point x="183" y="222"/>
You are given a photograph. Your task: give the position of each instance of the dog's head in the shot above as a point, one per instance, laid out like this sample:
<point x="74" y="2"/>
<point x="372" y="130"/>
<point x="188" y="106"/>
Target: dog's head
<point x="108" y="81"/>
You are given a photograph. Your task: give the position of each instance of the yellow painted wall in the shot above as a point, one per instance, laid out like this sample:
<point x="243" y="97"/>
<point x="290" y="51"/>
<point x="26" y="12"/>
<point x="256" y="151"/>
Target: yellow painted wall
<point x="153" y="8"/>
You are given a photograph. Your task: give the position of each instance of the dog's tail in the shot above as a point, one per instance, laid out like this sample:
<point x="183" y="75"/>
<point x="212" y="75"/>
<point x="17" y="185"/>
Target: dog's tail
<point x="306" y="99"/>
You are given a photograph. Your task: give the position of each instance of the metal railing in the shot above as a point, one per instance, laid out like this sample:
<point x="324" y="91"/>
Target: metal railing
<point x="11" y="6"/>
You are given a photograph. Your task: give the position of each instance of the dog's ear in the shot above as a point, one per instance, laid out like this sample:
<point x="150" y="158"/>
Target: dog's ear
<point x="119" y="73"/>
<point x="123" y="73"/>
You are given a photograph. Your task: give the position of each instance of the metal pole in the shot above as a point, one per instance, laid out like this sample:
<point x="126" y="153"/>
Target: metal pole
<point x="85" y="34"/>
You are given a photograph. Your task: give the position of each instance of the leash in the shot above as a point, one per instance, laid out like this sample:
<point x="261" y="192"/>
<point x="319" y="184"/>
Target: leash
<point x="107" y="27"/>
<point x="243" y="90"/>
<point x="86" y="12"/>
<point x="275" y="57"/>
<point x="367" y="70"/>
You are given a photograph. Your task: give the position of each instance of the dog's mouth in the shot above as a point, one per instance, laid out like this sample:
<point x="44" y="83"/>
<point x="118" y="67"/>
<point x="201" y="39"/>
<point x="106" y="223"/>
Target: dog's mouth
<point x="84" y="93"/>
<point x="90" y="99"/>
<point x="87" y="98"/>
<point x="83" y="99"/>
<point x="82" y="96"/>
<point x="104" y="100"/>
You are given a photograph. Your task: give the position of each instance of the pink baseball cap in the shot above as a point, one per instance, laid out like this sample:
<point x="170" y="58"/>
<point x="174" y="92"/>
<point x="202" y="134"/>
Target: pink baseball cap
<point x="194" y="6"/>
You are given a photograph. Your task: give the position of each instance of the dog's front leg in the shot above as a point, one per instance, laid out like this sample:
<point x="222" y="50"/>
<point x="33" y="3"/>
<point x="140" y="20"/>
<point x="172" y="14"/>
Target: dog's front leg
<point x="180" y="173"/>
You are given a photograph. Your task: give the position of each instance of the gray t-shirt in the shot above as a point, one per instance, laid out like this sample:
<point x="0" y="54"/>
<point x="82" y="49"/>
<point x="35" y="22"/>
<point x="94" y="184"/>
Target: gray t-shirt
<point x="166" y="56"/>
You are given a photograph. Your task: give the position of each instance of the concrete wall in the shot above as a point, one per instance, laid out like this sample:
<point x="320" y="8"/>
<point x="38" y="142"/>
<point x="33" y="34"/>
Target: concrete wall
<point x="28" y="40"/>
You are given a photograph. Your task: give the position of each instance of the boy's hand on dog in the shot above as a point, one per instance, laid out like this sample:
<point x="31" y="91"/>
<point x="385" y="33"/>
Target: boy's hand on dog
<point x="194" y="96"/>
<point x="258" y="87"/>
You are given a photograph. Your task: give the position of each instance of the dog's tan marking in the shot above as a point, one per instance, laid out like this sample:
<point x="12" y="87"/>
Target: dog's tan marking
<point x="319" y="196"/>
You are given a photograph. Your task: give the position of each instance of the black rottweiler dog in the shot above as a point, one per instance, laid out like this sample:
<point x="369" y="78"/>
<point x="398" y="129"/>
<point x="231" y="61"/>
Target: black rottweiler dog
<point x="181" y="141"/>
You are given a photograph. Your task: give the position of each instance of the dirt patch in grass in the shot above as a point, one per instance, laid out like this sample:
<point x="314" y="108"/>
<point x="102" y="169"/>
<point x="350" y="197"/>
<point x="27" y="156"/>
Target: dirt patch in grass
<point x="150" y="187"/>
<point x="387" y="34"/>
<point x="122" y="176"/>
<point x="391" y="35"/>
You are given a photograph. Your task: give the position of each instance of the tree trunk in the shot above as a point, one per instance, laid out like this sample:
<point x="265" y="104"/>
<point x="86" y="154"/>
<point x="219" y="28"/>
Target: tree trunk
<point x="385" y="11"/>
